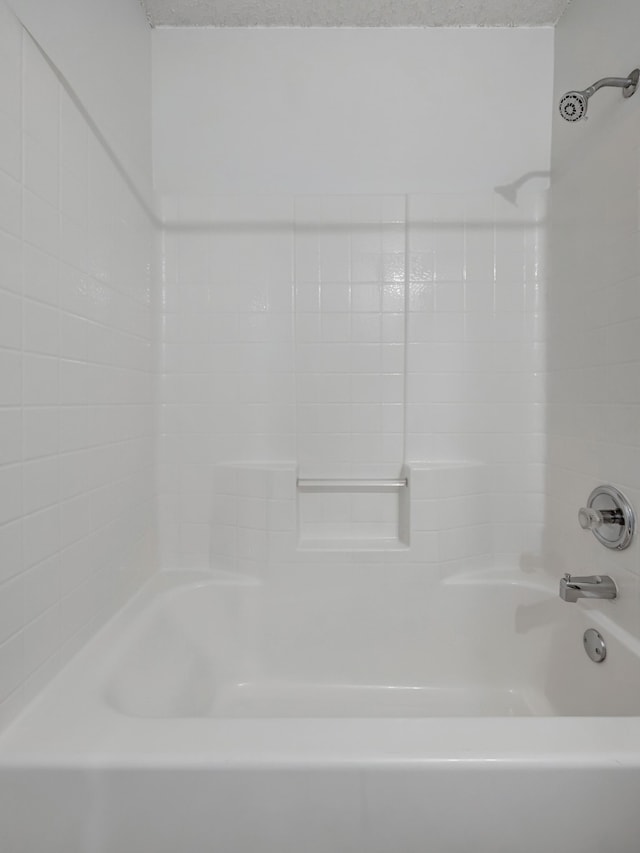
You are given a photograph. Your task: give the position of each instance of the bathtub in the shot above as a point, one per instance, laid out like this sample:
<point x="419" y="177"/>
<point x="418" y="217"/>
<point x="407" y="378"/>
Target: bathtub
<point x="391" y="714"/>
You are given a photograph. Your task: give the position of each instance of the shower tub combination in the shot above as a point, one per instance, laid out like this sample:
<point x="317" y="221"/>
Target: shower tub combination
<point x="219" y="713"/>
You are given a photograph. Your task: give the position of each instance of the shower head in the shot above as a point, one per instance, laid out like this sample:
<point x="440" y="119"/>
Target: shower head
<point x="573" y="105"/>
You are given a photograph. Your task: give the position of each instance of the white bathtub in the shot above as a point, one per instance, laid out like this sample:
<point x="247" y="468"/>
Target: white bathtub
<point x="221" y="715"/>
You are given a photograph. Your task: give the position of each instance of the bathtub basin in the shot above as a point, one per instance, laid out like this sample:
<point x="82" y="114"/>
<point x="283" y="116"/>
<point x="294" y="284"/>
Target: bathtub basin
<point x="224" y="714"/>
<point x="473" y="647"/>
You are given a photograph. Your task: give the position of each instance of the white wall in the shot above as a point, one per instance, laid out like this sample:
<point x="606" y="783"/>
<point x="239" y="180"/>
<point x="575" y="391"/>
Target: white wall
<point x="103" y="48"/>
<point x="346" y="111"/>
<point x="594" y="298"/>
<point x="329" y="325"/>
<point x="76" y="367"/>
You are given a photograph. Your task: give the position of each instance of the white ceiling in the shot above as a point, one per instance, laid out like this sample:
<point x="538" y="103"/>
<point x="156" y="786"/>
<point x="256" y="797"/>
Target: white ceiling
<point x="354" y="13"/>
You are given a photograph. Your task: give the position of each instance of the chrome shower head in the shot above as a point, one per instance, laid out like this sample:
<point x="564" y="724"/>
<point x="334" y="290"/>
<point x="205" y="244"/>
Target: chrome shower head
<point x="573" y="105"/>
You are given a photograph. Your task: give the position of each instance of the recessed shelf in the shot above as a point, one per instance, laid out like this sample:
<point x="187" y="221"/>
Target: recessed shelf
<point x="351" y="485"/>
<point x="353" y="514"/>
<point x="352" y="545"/>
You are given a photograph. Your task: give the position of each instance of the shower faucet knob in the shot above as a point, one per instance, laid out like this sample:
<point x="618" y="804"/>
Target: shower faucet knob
<point x="589" y="519"/>
<point x="609" y="516"/>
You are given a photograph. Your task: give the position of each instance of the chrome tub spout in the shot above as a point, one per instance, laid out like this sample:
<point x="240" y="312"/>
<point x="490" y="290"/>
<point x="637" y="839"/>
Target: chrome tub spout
<point x="588" y="586"/>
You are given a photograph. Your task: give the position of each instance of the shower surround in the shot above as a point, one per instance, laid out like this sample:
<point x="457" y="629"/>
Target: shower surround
<point x="352" y="284"/>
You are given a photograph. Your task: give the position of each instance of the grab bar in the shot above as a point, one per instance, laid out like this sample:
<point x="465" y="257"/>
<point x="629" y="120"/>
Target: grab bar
<point x="351" y="485"/>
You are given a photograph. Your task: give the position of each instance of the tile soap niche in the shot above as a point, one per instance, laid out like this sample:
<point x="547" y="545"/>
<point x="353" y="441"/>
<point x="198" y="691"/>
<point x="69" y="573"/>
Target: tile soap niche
<point x="344" y="514"/>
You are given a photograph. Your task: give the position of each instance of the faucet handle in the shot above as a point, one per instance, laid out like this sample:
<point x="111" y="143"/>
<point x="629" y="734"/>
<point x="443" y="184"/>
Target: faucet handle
<point x="589" y="518"/>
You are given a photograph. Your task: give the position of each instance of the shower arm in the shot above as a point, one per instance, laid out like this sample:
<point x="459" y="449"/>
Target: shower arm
<point x="625" y="83"/>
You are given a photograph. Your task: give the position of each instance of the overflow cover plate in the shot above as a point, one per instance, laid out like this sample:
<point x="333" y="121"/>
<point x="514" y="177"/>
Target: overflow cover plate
<point x="594" y="645"/>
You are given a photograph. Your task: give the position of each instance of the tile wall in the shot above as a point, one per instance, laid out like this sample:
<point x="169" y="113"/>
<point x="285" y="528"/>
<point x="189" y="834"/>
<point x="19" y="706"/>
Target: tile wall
<point x="262" y="528"/>
<point x="227" y="380"/>
<point x="349" y="270"/>
<point x="476" y="358"/>
<point x="76" y="372"/>
<point x="295" y="330"/>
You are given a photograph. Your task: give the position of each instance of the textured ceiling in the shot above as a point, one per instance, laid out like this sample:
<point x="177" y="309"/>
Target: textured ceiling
<point x="354" y="13"/>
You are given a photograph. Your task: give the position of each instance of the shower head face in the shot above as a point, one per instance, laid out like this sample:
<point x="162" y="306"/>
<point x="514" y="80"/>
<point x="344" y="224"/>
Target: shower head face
<point x="573" y="106"/>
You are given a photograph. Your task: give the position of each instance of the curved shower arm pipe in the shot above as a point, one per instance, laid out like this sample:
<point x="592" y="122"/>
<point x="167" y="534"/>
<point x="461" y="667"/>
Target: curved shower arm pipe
<point x="612" y="82"/>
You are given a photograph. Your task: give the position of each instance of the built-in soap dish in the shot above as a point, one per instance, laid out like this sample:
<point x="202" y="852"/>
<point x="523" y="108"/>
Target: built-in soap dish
<point x="353" y="514"/>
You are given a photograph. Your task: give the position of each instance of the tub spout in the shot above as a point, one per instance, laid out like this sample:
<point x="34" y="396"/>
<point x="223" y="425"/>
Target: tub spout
<point x="588" y="586"/>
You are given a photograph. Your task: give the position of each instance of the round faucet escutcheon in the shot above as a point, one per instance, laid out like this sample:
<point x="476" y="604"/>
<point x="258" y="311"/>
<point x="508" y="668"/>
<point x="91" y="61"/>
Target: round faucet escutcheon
<point x="609" y="516"/>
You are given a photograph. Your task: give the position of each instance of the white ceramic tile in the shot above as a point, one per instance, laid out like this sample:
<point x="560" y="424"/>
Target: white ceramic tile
<point x="11" y="665"/>
<point x="41" y="168"/>
<point x="10" y="64"/>
<point x="10" y="205"/>
<point x="41" y="224"/>
<point x="40" y="275"/>
<point x="11" y="607"/>
<point x="41" y="637"/>
<point x="41" y="587"/>
<point x="73" y="138"/>
<point x="40" y="484"/>
<point x="40" y="328"/>
<point x="73" y="337"/>
<point x="11" y="377"/>
<point x="10" y="436"/>
<point x="74" y="383"/>
<point x="10" y="320"/>
<point x="10" y="263"/>
<point x="40" y="377"/>
<point x="10" y="493"/>
<point x="75" y="520"/>
<point x="41" y="92"/>
<point x="10" y="146"/>
<point x="10" y="549"/>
